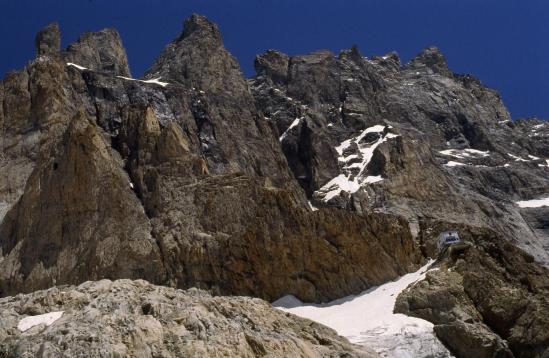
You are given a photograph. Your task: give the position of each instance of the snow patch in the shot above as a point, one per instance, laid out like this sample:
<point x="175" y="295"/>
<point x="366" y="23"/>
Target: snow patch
<point x="31" y="321"/>
<point x="292" y="125"/>
<point x="534" y="203"/>
<point x="465" y="153"/>
<point x="77" y="66"/>
<point x="451" y="163"/>
<point x="350" y="181"/>
<point x="313" y="208"/>
<point x="517" y="159"/>
<point x="373" y="179"/>
<point x="338" y="184"/>
<point x="368" y="319"/>
<point x="155" y="81"/>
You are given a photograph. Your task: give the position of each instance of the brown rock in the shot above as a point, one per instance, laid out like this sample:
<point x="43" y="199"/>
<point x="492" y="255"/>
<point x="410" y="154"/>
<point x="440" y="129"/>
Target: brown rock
<point x="77" y="220"/>
<point x="48" y="40"/>
<point x="472" y="340"/>
<point x="493" y="293"/>
<point x="100" y="51"/>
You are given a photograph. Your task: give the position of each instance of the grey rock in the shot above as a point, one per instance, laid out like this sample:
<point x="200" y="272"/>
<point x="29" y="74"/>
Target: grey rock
<point x="197" y="58"/>
<point x="273" y="64"/>
<point x="431" y="59"/>
<point x="64" y="229"/>
<point x="431" y="110"/>
<point x="100" y="51"/>
<point x="134" y="318"/>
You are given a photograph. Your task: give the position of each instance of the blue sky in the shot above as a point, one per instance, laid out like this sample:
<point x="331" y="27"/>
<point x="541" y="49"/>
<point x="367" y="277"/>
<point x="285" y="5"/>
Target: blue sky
<point x="505" y="43"/>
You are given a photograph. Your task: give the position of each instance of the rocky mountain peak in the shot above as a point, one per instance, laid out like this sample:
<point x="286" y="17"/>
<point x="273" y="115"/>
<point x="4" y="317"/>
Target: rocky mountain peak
<point x="48" y="40"/>
<point x="100" y="51"/>
<point x="353" y="54"/>
<point x="273" y="64"/>
<point x="201" y="26"/>
<point x="432" y="59"/>
<point x="198" y="59"/>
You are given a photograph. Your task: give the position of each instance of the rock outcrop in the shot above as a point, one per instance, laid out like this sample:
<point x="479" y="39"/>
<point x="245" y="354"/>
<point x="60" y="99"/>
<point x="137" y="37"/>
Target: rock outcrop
<point x="134" y="318"/>
<point x="487" y="298"/>
<point x="48" y="40"/>
<point x="66" y="227"/>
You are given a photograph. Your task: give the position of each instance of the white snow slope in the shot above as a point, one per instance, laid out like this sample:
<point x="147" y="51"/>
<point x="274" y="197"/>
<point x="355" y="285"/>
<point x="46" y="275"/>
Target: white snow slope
<point x="368" y="319"/>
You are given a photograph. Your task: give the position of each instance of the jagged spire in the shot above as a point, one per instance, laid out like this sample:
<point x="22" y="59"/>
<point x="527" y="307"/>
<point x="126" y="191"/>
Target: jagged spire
<point x="353" y="53"/>
<point x="432" y="58"/>
<point x="201" y="25"/>
<point x="48" y="40"/>
<point x="100" y="51"/>
<point x="197" y="58"/>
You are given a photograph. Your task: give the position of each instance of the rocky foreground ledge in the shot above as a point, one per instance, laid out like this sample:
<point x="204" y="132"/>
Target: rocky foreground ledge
<point x="135" y="318"/>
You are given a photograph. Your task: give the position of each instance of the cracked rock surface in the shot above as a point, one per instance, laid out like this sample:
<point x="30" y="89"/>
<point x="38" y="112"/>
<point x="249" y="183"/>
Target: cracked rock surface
<point x="134" y="318"/>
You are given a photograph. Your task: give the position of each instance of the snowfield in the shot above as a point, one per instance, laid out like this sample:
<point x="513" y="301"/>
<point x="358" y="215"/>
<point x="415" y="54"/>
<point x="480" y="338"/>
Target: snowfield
<point x="368" y="319"/>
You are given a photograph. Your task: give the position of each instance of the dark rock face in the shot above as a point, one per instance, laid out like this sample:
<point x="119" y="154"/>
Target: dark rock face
<point x="197" y="58"/>
<point x="134" y="318"/>
<point x="237" y="233"/>
<point x="100" y="51"/>
<point x="487" y="299"/>
<point x="453" y="152"/>
<point x="229" y="131"/>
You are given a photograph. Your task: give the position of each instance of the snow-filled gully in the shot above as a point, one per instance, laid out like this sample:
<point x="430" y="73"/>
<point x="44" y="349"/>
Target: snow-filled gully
<point x="347" y="181"/>
<point x="368" y="319"/>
